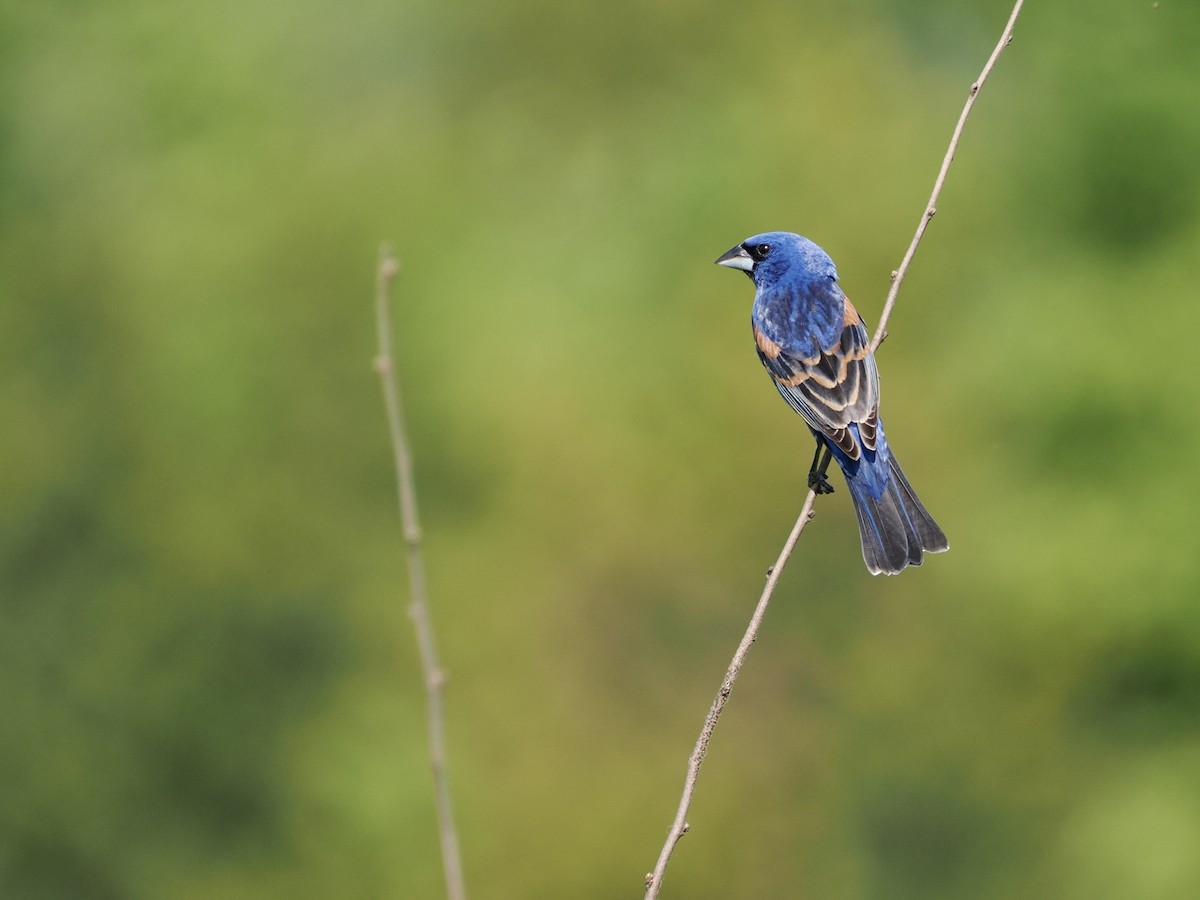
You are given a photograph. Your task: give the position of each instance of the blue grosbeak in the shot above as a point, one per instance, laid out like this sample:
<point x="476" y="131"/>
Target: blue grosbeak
<point x="816" y="348"/>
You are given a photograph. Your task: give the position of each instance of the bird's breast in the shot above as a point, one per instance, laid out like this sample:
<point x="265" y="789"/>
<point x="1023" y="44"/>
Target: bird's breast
<point x="800" y="321"/>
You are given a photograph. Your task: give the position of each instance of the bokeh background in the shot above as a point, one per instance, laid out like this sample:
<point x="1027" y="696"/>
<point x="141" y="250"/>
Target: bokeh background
<point x="208" y="682"/>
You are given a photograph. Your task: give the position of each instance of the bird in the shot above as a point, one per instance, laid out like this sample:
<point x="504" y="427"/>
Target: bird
<point x="815" y="346"/>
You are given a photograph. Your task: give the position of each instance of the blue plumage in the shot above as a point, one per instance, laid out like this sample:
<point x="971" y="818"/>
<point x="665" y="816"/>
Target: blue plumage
<point x="815" y="346"/>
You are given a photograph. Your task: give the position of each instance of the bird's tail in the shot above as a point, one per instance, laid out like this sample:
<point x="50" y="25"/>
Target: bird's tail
<point x="895" y="528"/>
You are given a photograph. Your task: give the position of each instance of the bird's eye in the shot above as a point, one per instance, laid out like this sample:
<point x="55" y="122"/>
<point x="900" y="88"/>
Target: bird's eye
<point x="760" y="251"/>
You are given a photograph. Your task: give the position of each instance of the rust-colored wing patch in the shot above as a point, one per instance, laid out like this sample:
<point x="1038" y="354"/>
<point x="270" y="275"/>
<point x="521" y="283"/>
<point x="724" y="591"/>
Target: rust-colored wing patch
<point x="833" y="390"/>
<point x="766" y="346"/>
<point x="852" y="316"/>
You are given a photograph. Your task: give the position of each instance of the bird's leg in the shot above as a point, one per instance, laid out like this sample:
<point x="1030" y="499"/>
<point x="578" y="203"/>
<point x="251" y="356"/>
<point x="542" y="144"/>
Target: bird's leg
<point x="816" y="472"/>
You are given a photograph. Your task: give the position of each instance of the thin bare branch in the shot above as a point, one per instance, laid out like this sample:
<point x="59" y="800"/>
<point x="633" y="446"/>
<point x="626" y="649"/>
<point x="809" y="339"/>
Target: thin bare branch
<point x="680" y="826"/>
<point x="418" y="610"/>
<point x="696" y="760"/>
<point x="931" y="206"/>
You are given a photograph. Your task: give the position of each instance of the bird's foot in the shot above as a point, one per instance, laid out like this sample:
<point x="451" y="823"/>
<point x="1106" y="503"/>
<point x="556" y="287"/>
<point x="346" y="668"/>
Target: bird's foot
<point x="819" y="483"/>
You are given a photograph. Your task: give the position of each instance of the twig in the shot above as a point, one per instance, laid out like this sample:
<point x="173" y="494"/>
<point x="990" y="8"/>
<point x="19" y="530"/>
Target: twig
<point x="680" y="826"/>
<point x="418" y="610"/>
<point x="931" y="206"/>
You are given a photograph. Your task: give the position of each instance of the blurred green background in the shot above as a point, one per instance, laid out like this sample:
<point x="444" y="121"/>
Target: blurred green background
<point x="208" y="682"/>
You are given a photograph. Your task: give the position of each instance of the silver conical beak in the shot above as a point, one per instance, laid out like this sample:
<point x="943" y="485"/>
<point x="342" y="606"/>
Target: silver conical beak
<point x="736" y="258"/>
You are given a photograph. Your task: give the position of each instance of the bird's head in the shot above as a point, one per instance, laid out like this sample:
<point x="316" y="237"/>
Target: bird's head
<point x="778" y="256"/>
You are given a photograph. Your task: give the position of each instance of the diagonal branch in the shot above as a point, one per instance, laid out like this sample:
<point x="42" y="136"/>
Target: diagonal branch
<point x="418" y="610"/>
<point x="680" y="825"/>
<point x="931" y="206"/>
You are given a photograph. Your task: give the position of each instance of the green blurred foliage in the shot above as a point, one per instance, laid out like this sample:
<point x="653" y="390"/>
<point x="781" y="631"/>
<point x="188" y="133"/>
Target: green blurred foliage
<point x="208" y="684"/>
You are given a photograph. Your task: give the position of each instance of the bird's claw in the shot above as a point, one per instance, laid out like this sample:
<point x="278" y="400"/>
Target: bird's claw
<point x="819" y="483"/>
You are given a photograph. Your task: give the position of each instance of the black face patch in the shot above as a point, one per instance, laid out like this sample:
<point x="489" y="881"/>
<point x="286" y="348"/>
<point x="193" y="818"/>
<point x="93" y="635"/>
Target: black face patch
<point x="758" y="252"/>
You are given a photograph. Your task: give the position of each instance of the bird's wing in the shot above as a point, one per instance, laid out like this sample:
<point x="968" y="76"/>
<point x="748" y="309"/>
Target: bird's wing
<point x="833" y="390"/>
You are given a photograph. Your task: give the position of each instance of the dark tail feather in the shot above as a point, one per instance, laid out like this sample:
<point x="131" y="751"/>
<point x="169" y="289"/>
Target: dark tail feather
<point x="896" y="530"/>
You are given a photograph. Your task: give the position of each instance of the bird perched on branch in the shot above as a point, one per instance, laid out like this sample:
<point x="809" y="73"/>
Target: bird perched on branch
<point x="816" y="348"/>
